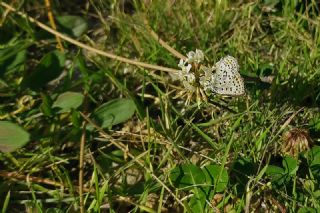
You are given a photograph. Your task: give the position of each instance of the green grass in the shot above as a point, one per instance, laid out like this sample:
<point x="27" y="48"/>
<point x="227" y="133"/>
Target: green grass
<point x="223" y="155"/>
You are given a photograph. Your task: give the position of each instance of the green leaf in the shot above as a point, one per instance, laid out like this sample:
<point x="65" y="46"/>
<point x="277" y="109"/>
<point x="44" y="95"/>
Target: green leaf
<point x="190" y="177"/>
<point x="314" y="160"/>
<point x="212" y="177"/>
<point x="114" y="112"/>
<point x="49" y="68"/>
<point x="290" y="165"/>
<point x="74" y="26"/>
<point x="275" y="173"/>
<point x="280" y="175"/>
<point x="197" y="202"/>
<point x="314" y="156"/>
<point x="121" y="86"/>
<point x="68" y="100"/>
<point x="12" y="136"/>
<point x="187" y="175"/>
<point x="307" y="210"/>
<point x="316" y="194"/>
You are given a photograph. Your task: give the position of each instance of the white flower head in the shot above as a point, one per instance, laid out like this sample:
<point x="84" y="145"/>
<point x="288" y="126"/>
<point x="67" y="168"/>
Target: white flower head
<point x="190" y="56"/>
<point x="190" y="68"/>
<point x="195" y="57"/>
<point x="181" y="63"/>
<point x="207" y="71"/>
<point x="199" y="57"/>
<point x="205" y="79"/>
<point x="190" y="77"/>
<point x="185" y="67"/>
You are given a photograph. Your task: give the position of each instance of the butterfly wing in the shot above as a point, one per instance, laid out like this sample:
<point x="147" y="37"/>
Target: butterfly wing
<point x="228" y="64"/>
<point x="228" y="83"/>
<point x="227" y="79"/>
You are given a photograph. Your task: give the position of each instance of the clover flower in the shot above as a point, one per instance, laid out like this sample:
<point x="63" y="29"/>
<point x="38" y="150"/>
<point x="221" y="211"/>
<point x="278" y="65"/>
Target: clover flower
<point x="205" y="80"/>
<point x="295" y="141"/>
<point x="195" y="57"/>
<point x="187" y="77"/>
<point x="189" y="73"/>
<point x="194" y="76"/>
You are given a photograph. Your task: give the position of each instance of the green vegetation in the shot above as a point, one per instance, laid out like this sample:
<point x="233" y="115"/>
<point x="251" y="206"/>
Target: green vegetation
<point x="82" y="132"/>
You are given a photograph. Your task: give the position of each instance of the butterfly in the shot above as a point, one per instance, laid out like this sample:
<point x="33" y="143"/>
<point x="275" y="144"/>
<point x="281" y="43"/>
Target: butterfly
<point x="227" y="79"/>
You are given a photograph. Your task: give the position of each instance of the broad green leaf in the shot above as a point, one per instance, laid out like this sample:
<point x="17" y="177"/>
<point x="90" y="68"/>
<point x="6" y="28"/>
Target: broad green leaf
<point x="307" y="210"/>
<point x="314" y="160"/>
<point x="12" y="136"/>
<point x="212" y="177"/>
<point x="280" y="175"/>
<point x="275" y="173"/>
<point x="74" y="26"/>
<point x="314" y="156"/>
<point x="187" y="175"/>
<point x="49" y="68"/>
<point x="190" y="177"/>
<point x="114" y="112"/>
<point x="121" y="86"/>
<point x="316" y="194"/>
<point x="197" y="202"/>
<point x="290" y="165"/>
<point x="68" y="100"/>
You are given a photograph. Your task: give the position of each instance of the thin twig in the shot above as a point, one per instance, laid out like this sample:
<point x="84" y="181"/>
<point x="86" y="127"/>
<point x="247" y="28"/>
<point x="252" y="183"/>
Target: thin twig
<point x="163" y="43"/>
<point x="81" y="160"/>
<point x="82" y="151"/>
<point x="17" y="176"/>
<point x="4" y="16"/>
<point x="84" y="46"/>
<point x="53" y="24"/>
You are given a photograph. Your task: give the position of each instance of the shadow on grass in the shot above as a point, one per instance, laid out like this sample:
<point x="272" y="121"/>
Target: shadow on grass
<point x="298" y="91"/>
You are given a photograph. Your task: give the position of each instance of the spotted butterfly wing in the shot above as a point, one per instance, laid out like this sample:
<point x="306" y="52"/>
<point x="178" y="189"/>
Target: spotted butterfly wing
<point x="227" y="79"/>
<point x="228" y="64"/>
<point x="231" y="85"/>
